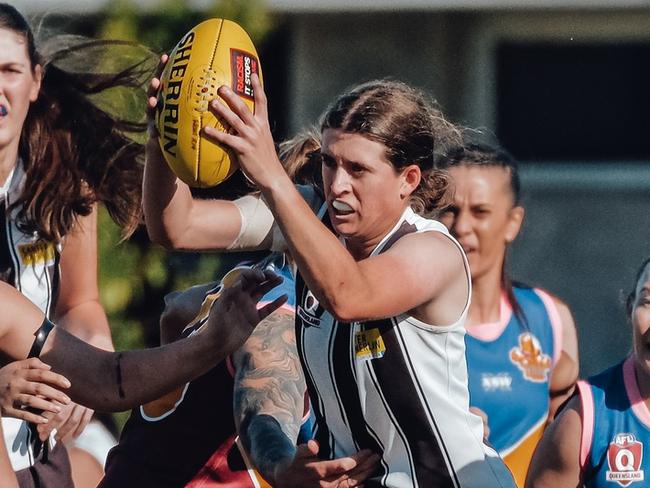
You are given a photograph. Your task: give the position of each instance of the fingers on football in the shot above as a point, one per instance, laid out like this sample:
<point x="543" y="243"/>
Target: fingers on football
<point x="237" y="108"/>
<point x="261" y="110"/>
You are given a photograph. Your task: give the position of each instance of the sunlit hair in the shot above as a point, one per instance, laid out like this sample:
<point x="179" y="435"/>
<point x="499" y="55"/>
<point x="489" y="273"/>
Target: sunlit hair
<point x="484" y="155"/>
<point x="631" y="297"/>
<point x="300" y="157"/>
<point x="82" y="141"/>
<point x="412" y="128"/>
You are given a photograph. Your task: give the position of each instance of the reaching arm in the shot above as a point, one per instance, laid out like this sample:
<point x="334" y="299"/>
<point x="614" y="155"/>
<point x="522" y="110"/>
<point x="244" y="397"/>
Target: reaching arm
<point x="78" y="309"/>
<point x="118" y="381"/>
<point x="427" y="266"/>
<point x="269" y="392"/>
<point x="565" y="372"/>
<point x="556" y="461"/>
<point x="173" y="218"/>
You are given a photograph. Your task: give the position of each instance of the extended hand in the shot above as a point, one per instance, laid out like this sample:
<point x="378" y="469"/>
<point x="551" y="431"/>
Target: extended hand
<point x="235" y="314"/>
<point x="28" y="386"/>
<point x="307" y="470"/>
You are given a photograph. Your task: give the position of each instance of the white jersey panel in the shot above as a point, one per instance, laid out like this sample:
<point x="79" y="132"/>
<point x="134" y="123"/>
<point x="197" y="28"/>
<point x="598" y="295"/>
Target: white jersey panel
<point x="399" y="387"/>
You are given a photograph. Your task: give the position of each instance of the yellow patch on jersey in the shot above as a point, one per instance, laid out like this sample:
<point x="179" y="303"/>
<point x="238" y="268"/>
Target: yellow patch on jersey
<point x="519" y="459"/>
<point x="368" y="344"/>
<point x="39" y="252"/>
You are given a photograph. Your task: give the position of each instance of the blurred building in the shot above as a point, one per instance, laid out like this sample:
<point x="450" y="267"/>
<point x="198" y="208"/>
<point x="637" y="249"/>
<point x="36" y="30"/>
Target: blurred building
<point x="562" y="83"/>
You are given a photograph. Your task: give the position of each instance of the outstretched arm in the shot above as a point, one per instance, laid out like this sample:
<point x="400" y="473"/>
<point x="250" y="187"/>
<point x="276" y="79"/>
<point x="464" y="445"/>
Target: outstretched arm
<point x="118" y="381"/>
<point x="174" y="219"/>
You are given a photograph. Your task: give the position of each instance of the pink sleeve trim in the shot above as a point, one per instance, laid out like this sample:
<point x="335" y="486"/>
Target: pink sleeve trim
<point x="556" y="323"/>
<point x="587" y="402"/>
<point x="231" y="366"/>
<point x="639" y="407"/>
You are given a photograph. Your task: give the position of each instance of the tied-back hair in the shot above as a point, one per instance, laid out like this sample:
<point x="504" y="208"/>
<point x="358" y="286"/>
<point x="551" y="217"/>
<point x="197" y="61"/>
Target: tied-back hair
<point x="300" y="157"/>
<point x="412" y="128"/>
<point x="493" y="156"/>
<point x="82" y="141"/>
<point x="631" y="297"/>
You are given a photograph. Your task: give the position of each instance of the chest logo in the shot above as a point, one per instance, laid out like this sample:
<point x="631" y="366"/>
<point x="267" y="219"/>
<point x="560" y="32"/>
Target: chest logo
<point x="310" y="310"/>
<point x="624" y="456"/>
<point x="39" y="252"/>
<point x="368" y="344"/>
<point x="530" y="359"/>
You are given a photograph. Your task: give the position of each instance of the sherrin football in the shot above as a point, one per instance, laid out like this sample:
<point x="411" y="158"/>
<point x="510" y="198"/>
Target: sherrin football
<point x="214" y="53"/>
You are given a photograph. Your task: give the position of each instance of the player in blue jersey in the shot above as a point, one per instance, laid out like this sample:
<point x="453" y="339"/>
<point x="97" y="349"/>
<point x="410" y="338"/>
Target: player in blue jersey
<point x="521" y="342"/>
<point x="601" y="439"/>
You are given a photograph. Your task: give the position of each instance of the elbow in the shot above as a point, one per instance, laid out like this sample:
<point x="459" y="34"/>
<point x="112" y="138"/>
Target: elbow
<point x="341" y="309"/>
<point x="159" y="234"/>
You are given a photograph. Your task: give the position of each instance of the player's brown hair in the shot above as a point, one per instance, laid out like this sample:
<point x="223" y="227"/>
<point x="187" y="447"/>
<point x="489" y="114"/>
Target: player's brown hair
<point x="78" y="144"/>
<point x="411" y="126"/>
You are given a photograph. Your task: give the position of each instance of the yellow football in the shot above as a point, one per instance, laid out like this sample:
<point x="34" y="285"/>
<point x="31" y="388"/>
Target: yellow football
<point x="214" y="53"/>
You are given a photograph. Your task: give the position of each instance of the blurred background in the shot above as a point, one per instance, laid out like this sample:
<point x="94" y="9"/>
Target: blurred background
<point x="563" y="84"/>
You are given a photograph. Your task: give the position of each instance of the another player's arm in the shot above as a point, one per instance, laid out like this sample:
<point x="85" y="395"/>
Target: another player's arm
<point x="269" y="393"/>
<point x="565" y="372"/>
<point x="556" y="461"/>
<point x="118" y="381"/>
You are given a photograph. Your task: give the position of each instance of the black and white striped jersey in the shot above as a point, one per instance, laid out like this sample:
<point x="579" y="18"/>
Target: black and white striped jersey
<point x="32" y="267"/>
<point x="396" y="386"/>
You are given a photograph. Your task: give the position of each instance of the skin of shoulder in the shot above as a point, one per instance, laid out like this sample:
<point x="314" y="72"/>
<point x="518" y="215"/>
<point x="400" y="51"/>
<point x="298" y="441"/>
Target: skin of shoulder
<point x="556" y="461"/>
<point x="433" y="283"/>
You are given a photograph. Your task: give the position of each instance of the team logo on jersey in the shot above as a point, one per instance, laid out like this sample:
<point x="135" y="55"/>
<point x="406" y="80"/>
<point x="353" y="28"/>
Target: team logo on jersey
<point x="368" y="344"/>
<point x="624" y="456"/>
<point x="530" y="359"/>
<point x="310" y="310"/>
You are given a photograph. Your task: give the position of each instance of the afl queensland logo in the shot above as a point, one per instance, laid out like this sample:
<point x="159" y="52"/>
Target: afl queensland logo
<point x="624" y="456"/>
<point x="310" y="310"/>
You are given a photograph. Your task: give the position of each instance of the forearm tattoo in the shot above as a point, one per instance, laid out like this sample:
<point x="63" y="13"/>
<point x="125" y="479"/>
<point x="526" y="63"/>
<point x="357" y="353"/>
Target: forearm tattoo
<point x="269" y="384"/>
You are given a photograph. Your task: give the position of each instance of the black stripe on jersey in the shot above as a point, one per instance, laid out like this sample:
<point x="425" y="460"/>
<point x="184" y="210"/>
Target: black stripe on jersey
<point x="404" y="229"/>
<point x="323" y="435"/>
<point x="402" y="393"/>
<point x="7" y="267"/>
<point x="10" y="242"/>
<point x="344" y="378"/>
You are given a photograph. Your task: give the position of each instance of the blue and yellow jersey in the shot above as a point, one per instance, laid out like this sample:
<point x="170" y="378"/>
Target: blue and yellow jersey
<point x="510" y="364"/>
<point x="615" y="429"/>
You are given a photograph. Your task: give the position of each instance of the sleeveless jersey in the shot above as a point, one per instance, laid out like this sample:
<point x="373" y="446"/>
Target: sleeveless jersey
<point x="615" y="429"/>
<point x="32" y="267"/>
<point x="193" y="443"/>
<point x="510" y="365"/>
<point x="396" y="386"/>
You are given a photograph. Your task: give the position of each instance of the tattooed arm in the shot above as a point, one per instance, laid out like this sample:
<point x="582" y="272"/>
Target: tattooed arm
<point x="269" y="392"/>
